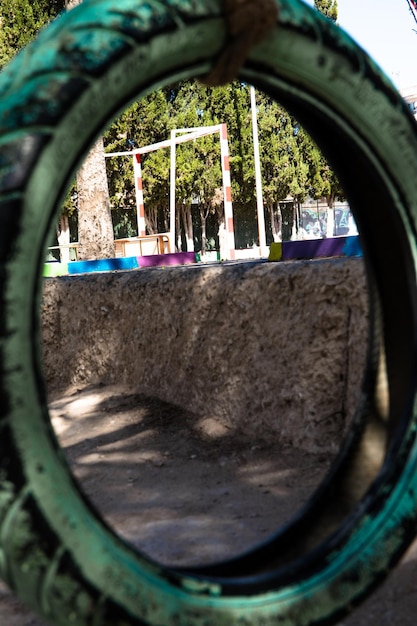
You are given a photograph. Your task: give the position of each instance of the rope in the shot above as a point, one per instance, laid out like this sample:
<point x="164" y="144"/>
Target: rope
<point x="248" y="22"/>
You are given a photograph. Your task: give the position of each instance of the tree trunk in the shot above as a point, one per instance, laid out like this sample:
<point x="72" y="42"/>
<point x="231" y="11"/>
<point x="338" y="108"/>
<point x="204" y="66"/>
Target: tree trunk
<point x="203" y="219"/>
<point x="151" y="219"/>
<point x="188" y="227"/>
<point x="276" y="222"/>
<point x="330" y="217"/>
<point x="295" y="220"/>
<point x="222" y="234"/>
<point x="95" y="227"/>
<point x="63" y="236"/>
<point x="178" y="229"/>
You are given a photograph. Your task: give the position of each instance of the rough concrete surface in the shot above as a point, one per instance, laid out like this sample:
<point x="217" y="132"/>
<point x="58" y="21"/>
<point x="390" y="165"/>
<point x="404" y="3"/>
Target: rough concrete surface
<point x="272" y="349"/>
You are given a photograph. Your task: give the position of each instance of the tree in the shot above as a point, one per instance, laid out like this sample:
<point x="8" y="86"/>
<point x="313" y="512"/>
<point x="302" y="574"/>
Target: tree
<point x="198" y="162"/>
<point x="327" y="8"/>
<point x="198" y="173"/>
<point x="231" y="105"/>
<point x="20" y="22"/>
<point x="332" y="187"/>
<point x="283" y="162"/>
<point x="95" y="226"/>
<point x="145" y="122"/>
<point x="292" y="165"/>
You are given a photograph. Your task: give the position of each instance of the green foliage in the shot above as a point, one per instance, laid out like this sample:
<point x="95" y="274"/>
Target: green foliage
<point x="145" y="122"/>
<point x="292" y="165"/>
<point x="328" y="8"/>
<point x="21" y="20"/>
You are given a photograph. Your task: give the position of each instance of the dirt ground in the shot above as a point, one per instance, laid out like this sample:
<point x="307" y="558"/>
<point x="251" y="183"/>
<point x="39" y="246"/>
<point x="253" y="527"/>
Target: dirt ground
<point x="181" y="488"/>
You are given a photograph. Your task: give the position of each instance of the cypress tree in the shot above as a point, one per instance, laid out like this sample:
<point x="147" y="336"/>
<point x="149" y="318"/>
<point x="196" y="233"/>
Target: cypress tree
<point x="20" y="22"/>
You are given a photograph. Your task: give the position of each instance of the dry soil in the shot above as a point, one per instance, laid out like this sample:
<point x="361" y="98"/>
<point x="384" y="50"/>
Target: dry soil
<point x="183" y="490"/>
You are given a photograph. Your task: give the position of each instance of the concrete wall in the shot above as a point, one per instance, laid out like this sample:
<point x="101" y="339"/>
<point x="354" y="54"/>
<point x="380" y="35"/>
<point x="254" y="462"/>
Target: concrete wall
<point x="272" y="350"/>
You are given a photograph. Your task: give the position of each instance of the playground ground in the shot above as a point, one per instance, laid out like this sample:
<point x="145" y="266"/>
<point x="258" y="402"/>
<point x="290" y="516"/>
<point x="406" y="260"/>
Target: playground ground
<point x="179" y="487"/>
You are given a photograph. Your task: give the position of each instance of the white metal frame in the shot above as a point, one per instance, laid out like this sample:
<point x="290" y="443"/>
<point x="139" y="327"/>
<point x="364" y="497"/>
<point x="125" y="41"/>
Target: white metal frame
<point x="179" y="136"/>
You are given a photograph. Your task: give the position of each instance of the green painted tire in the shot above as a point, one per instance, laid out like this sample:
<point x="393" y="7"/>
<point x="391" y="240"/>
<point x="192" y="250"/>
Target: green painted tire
<point x="55" y="98"/>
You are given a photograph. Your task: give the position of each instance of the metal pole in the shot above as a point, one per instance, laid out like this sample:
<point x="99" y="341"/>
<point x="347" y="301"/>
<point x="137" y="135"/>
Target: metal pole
<point x="191" y="134"/>
<point x="258" y="179"/>
<point x="227" y="243"/>
<point x="172" y="193"/>
<point x="140" y="207"/>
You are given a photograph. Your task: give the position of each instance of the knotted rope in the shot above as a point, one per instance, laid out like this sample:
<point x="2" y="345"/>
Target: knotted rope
<point x="248" y="22"/>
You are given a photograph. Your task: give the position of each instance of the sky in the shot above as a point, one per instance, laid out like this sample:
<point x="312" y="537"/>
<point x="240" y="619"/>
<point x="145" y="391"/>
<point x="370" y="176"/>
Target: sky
<point x="385" y="29"/>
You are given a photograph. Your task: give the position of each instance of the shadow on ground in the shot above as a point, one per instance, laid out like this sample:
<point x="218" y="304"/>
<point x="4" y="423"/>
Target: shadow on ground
<point x="185" y="490"/>
<point x="181" y="487"/>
